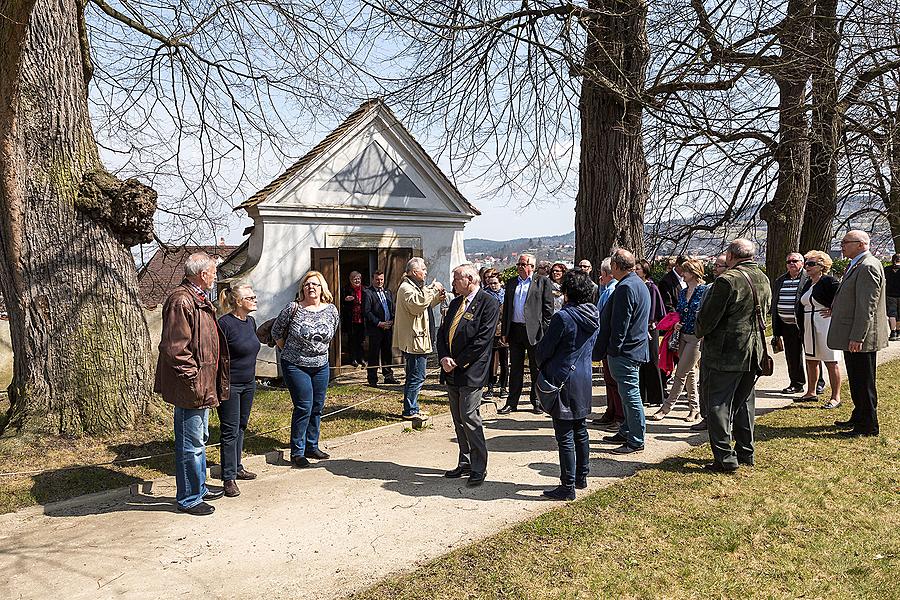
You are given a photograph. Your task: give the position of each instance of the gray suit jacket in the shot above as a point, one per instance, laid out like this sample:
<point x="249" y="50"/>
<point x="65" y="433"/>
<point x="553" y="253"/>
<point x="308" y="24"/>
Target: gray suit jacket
<point x="858" y="312"/>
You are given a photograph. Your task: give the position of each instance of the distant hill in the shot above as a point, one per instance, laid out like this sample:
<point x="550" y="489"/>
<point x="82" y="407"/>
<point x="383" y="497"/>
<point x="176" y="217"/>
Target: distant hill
<point x="495" y="247"/>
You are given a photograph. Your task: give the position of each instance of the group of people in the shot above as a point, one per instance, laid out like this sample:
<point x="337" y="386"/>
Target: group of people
<point x="643" y="334"/>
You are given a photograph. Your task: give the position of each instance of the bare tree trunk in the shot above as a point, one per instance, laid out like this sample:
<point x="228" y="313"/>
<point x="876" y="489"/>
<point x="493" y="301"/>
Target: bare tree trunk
<point x="613" y="183"/>
<point x="80" y="340"/>
<point x="821" y="206"/>
<point x="893" y="150"/>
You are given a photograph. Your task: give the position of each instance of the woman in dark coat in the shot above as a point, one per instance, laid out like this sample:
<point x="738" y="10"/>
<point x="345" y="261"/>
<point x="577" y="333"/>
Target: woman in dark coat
<point x="564" y="358"/>
<point x="650" y="376"/>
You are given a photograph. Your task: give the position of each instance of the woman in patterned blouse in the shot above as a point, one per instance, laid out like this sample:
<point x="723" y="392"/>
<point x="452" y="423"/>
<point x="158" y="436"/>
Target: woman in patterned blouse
<point x="303" y="331"/>
<point x="688" y="344"/>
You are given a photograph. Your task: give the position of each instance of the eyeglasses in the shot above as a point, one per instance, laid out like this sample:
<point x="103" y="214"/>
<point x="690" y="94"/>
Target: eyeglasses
<point x="557" y="270"/>
<point x="793" y="260"/>
<point x="250" y="298"/>
<point x="584" y="266"/>
<point x="524" y="265"/>
<point x="845" y="242"/>
<point x="812" y="263"/>
<point x="312" y="284"/>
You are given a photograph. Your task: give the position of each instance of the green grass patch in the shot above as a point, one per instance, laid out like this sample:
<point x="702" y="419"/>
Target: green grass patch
<point x="818" y="517"/>
<point x="269" y="429"/>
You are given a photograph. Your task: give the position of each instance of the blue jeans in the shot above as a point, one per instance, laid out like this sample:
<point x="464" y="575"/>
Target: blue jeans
<point x="415" y="379"/>
<point x="626" y="373"/>
<point x="233" y="418"/>
<point x="574" y="450"/>
<point x="307" y="386"/>
<point x="191" y="435"/>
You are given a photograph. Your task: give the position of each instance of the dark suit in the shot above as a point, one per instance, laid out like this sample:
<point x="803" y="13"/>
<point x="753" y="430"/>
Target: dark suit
<point x="471" y="348"/>
<point x="669" y="286"/>
<point x="522" y="337"/>
<point x="379" y="338"/>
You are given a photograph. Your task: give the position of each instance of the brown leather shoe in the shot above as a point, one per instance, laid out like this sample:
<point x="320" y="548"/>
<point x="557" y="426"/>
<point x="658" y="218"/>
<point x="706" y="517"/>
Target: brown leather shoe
<point x="231" y="488"/>
<point x="245" y="475"/>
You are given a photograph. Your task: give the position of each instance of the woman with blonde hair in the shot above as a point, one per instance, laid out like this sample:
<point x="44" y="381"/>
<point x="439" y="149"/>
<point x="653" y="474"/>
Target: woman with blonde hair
<point x="303" y="331"/>
<point x="815" y="301"/>
<point x="239" y="330"/>
<point x="688" y="344"/>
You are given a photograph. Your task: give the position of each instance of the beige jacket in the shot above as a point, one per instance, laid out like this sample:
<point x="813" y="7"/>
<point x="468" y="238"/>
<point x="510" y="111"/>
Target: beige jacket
<point x="411" y="334"/>
<point x="858" y="312"/>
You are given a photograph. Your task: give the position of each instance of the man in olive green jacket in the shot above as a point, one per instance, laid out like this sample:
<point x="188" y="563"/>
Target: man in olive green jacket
<point x="859" y="327"/>
<point x="411" y="331"/>
<point x="732" y="348"/>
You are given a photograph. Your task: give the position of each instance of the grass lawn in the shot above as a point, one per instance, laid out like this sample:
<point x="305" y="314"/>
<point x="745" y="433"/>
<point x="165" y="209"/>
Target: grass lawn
<point x="818" y="517"/>
<point x="269" y="429"/>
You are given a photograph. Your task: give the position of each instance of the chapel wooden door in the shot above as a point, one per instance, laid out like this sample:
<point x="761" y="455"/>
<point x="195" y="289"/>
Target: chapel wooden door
<point x="325" y="261"/>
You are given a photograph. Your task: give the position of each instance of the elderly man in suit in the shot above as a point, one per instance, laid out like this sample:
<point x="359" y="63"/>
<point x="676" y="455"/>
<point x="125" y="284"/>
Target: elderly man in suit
<point x="623" y="343"/>
<point x="527" y="308"/>
<point x="728" y="325"/>
<point x="465" y="343"/>
<point x="378" y="313"/>
<point x="859" y="327"/>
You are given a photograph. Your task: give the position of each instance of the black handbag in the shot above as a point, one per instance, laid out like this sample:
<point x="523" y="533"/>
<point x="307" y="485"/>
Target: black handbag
<point x="547" y="393"/>
<point x="766" y="363"/>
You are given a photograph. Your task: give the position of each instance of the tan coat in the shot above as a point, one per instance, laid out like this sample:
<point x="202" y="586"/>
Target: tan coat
<point x="193" y="366"/>
<point x="858" y="312"/>
<point x="411" y="332"/>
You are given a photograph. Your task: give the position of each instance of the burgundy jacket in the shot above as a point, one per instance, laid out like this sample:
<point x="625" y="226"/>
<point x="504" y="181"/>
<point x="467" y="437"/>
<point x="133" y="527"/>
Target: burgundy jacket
<point x="193" y="366"/>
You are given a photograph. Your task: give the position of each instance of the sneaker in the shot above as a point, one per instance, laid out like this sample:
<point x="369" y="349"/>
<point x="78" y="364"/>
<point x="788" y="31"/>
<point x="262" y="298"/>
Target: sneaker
<point x="488" y="394"/>
<point x="502" y="393"/>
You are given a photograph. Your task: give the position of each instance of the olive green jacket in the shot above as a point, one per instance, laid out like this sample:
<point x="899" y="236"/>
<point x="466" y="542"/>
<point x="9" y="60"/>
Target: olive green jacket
<point x="727" y="319"/>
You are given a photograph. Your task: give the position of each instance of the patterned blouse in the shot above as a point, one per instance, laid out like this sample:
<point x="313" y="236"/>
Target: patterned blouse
<point x="308" y="336"/>
<point x="688" y="310"/>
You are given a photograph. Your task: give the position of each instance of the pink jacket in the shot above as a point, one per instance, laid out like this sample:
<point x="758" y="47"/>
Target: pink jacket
<point x="666" y="356"/>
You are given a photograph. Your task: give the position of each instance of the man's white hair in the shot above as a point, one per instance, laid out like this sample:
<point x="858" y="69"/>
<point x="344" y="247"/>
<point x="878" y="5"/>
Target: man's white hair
<point x="414" y="263"/>
<point x="196" y="263"/>
<point x="606" y="266"/>
<point x="468" y="270"/>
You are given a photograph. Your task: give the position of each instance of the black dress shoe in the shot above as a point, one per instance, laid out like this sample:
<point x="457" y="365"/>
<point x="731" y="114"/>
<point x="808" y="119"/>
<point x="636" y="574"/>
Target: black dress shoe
<point x="506" y="409"/>
<point x="855" y="433"/>
<point x="458" y="472"/>
<point x="581" y="484"/>
<point x="626" y="449"/>
<point x="560" y="493"/>
<point x="317" y="454"/>
<point x="213" y="495"/>
<point x="745" y="462"/>
<point x="537" y="410"/>
<point x="792" y="389"/>
<point x="476" y="479"/>
<point x="391" y="381"/>
<point x="245" y="475"/>
<point x="199" y="510"/>
<point x="617" y="438"/>
<point x="715" y="467"/>
<point x="300" y="462"/>
<point x="847" y="424"/>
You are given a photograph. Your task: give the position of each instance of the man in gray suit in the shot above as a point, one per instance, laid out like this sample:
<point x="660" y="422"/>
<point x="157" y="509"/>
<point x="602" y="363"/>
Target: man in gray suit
<point x="860" y="328"/>
<point x="732" y="347"/>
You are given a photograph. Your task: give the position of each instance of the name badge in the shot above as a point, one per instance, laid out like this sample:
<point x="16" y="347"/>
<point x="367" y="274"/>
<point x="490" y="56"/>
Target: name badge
<point x="468" y="316"/>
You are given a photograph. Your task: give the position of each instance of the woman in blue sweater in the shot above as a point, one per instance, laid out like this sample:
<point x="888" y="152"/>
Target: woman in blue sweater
<point x="564" y="358"/>
<point x="243" y="346"/>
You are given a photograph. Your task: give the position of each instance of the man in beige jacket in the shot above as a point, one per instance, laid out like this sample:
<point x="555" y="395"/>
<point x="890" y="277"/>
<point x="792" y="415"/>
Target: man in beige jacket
<point x="411" y="331"/>
<point x="859" y="328"/>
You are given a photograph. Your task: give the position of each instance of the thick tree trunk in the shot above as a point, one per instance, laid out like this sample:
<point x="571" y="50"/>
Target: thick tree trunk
<point x="613" y="183"/>
<point x="784" y="213"/>
<point x="821" y="205"/>
<point x="80" y="340"/>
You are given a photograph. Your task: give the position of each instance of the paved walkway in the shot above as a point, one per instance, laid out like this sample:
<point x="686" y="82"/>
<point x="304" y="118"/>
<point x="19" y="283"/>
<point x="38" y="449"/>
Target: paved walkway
<point x="379" y="506"/>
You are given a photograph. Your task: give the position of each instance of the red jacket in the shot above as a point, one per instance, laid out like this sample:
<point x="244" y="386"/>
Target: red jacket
<point x="666" y="356"/>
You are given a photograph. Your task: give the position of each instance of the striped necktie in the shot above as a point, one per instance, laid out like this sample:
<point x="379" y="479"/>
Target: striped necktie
<point x="455" y="322"/>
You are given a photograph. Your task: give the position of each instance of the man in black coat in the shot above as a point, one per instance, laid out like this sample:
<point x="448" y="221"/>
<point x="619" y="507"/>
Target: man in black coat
<point x="527" y="308"/>
<point x="671" y="283"/>
<point x="465" y="343"/>
<point x="378" y="314"/>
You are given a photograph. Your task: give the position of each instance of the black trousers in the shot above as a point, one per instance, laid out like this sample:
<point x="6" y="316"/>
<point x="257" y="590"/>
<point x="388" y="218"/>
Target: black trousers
<point x="650" y="376"/>
<point x="518" y="348"/>
<point x="380" y="354"/>
<point x="500" y="367"/>
<point x="355" y="338"/>
<point x="793" y="354"/>
<point x="861" y="379"/>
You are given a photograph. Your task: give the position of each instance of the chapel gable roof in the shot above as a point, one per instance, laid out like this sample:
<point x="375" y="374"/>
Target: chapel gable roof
<point x="165" y="270"/>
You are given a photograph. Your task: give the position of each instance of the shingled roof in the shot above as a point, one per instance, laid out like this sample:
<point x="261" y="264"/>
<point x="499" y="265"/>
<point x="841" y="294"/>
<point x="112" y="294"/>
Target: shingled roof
<point x="165" y="271"/>
<point x="360" y="114"/>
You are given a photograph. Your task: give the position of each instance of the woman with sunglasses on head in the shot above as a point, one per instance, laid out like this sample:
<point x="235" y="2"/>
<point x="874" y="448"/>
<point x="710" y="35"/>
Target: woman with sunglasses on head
<point x="814" y="304"/>
<point x="303" y="331"/>
<point x="239" y="329"/>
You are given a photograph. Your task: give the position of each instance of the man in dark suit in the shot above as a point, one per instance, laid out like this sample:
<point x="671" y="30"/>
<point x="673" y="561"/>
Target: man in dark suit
<point x="733" y="346"/>
<point x="465" y="343"/>
<point x="527" y="308"/>
<point x="378" y="314"/>
<point x="859" y="327"/>
<point x="671" y="283"/>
